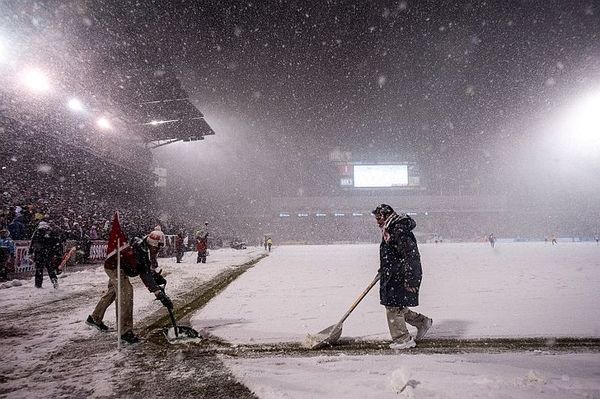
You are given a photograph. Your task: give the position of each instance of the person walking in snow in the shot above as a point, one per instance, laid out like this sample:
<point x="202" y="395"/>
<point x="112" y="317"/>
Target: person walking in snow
<point x="202" y="231"/>
<point x="401" y="274"/>
<point x="7" y="253"/>
<point x="492" y="239"/>
<point x="179" y="247"/>
<point x="45" y="247"/>
<point x="135" y="261"/>
<point x="269" y="243"/>
<point x="202" y="248"/>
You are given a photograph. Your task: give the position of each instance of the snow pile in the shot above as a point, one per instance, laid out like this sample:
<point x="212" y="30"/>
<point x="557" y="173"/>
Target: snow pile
<point x="402" y="384"/>
<point x="9" y="284"/>
<point x="533" y="379"/>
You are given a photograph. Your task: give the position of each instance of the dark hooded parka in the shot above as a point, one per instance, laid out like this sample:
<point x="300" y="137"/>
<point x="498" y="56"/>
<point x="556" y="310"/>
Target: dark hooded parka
<point x="400" y="263"/>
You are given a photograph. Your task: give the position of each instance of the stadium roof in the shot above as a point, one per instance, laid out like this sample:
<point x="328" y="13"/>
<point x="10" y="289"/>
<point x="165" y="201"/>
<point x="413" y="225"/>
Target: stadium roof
<point x="115" y="71"/>
<point x="152" y="100"/>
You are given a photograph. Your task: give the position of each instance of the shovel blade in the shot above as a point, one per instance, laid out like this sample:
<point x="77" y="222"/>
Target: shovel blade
<point x="181" y="333"/>
<point x="326" y="337"/>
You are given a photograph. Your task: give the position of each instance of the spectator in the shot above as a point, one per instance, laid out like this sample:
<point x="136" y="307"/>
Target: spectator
<point x="492" y="239"/>
<point x="44" y="248"/>
<point x="7" y="253"/>
<point x="17" y="228"/>
<point x="269" y="244"/>
<point x="93" y="232"/>
<point x="179" y="246"/>
<point x="202" y="248"/>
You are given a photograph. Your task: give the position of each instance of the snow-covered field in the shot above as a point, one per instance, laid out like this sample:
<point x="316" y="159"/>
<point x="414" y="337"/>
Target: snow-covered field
<point x="470" y="290"/>
<point x="512" y="375"/>
<point x="35" y="323"/>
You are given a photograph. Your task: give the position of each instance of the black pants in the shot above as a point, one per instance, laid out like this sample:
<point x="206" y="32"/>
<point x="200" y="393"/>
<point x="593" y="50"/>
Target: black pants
<point x="3" y="266"/>
<point x="201" y="257"/>
<point x="40" y="265"/>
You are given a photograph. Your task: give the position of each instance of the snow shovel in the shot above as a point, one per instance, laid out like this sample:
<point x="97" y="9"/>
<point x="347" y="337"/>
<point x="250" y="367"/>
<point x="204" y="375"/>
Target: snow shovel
<point x="331" y="334"/>
<point x="178" y="332"/>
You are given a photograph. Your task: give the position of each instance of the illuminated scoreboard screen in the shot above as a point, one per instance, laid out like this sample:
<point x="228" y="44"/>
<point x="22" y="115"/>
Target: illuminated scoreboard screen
<point x="372" y="176"/>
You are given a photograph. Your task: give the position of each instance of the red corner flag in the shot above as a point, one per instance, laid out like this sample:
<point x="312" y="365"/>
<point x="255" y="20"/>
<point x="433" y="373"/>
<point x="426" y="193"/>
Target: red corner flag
<point x="116" y="234"/>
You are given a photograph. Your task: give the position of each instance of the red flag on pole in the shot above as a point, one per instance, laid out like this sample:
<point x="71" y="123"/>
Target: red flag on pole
<point x="128" y="261"/>
<point x="116" y="235"/>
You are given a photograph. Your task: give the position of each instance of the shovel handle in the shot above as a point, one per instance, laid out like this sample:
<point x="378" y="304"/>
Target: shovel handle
<point x="173" y="322"/>
<point x="360" y="298"/>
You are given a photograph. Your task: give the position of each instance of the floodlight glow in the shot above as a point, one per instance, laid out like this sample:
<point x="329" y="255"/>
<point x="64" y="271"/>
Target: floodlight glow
<point x="585" y="121"/>
<point x="36" y="80"/>
<point x="75" y="105"/>
<point x="103" y="123"/>
<point x="156" y="122"/>
<point x="3" y="49"/>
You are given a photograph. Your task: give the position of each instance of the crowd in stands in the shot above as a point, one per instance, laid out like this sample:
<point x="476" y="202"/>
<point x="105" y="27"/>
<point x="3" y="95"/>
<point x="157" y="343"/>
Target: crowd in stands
<point x="75" y="189"/>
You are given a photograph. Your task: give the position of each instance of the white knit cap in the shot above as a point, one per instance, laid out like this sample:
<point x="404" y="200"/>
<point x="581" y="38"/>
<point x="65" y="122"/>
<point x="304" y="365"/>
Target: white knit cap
<point x="156" y="237"/>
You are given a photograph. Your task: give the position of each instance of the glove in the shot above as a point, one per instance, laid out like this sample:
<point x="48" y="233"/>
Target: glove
<point x="166" y="301"/>
<point x="159" y="279"/>
<point x="411" y="287"/>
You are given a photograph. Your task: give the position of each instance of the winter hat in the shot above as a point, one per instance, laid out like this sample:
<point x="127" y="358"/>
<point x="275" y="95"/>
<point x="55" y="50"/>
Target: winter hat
<point x="156" y="237"/>
<point x="383" y="210"/>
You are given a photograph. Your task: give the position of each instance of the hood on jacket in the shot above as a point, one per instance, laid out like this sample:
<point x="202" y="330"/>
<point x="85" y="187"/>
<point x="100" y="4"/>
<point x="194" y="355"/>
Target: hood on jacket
<point x="403" y="222"/>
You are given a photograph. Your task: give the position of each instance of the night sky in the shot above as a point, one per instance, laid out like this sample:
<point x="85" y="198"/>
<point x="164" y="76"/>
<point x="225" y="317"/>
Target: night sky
<point x="459" y="87"/>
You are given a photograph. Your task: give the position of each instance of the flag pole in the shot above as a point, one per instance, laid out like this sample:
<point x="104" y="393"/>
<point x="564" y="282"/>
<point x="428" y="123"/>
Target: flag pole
<point x="118" y="294"/>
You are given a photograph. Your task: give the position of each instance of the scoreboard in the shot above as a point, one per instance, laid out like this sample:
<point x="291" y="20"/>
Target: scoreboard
<point x="355" y="175"/>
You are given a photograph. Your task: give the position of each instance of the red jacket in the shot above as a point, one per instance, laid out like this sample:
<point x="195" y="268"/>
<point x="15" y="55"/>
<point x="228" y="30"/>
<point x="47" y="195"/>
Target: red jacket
<point x="178" y="242"/>
<point x="201" y="244"/>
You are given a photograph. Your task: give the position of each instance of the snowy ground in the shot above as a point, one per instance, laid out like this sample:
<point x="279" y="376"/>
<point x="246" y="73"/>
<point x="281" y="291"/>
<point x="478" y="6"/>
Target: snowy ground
<point x="514" y="375"/>
<point x="471" y="291"/>
<point x="36" y="325"/>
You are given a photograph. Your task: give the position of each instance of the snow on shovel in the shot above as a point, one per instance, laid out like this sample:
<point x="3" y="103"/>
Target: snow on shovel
<point x="178" y="332"/>
<point x="331" y="334"/>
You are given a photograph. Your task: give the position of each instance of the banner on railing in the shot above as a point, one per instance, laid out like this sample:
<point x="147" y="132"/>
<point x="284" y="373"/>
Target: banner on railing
<point x="25" y="264"/>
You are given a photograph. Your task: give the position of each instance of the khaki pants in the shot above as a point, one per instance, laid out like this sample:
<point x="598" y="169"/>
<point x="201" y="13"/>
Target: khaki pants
<point x="110" y="296"/>
<point x="397" y="317"/>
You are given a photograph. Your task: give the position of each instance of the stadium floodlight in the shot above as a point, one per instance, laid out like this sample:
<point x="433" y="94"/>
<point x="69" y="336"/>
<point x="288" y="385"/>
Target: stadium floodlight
<point x="75" y="105"/>
<point x="35" y="80"/>
<point x="161" y="122"/>
<point x="585" y="121"/>
<point x="103" y="123"/>
<point x="3" y="49"/>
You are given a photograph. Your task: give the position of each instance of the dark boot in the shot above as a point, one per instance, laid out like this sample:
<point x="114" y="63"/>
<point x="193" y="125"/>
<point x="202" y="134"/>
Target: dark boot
<point x="97" y="324"/>
<point x="130" y="337"/>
